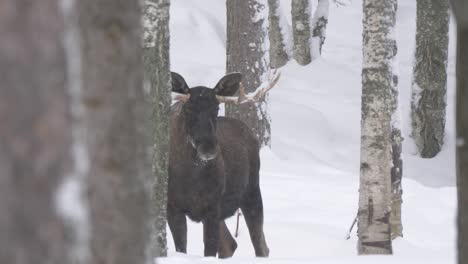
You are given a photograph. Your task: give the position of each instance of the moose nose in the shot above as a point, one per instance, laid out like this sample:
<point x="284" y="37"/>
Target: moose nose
<point x="207" y="151"/>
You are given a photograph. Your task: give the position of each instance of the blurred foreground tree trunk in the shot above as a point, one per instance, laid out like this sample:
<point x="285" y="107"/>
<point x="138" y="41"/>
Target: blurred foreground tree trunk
<point x="247" y="22"/>
<point x="376" y="116"/>
<point x="158" y="79"/>
<point x="35" y="132"/>
<point x="429" y="86"/>
<point x="460" y="9"/>
<point x="115" y="121"/>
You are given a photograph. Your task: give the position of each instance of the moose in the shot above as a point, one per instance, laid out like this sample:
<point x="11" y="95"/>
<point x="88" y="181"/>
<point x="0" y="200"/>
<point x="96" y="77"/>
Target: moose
<point x="214" y="166"/>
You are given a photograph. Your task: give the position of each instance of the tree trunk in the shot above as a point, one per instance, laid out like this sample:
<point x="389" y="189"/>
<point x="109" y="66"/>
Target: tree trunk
<point x="396" y="139"/>
<point x="35" y="132"/>
<point x="278" y="55"/>
<point x="247" y="53"/>
<point x="115" y="122"/>
<point x="462" y="139"/>
<point x="429" y="86"/>
<point x="319" y="27"/>
<point x="376" y="156"/>
<point x="158" y="79"/>
<point x="300" y="12"/>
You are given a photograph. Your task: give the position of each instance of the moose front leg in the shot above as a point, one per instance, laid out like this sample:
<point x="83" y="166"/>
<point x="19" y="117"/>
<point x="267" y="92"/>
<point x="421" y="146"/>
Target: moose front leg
<point x="178" y="226"/>
<point x="211" y="233"/>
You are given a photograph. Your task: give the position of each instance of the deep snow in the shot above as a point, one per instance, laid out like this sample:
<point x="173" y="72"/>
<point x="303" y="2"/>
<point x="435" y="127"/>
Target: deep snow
<point x="310" y="177"/>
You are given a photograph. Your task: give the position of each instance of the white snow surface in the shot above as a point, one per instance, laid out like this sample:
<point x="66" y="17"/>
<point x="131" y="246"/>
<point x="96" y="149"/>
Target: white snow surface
<point x="310" y="176"/>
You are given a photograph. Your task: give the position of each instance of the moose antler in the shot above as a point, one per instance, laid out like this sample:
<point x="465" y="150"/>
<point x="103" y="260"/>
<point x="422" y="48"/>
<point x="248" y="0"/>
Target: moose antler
<point x="177" y="97"/>
<point x="255" y="96"/>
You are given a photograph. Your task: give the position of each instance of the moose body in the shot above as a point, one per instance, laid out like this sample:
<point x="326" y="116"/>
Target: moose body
<point x="213" y="170"/>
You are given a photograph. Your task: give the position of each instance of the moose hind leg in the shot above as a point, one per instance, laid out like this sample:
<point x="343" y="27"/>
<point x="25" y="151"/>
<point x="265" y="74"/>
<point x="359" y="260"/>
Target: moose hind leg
<point x="178" y="226"/>
<point x="252" y="208"/>
<point x="227" y="244"/>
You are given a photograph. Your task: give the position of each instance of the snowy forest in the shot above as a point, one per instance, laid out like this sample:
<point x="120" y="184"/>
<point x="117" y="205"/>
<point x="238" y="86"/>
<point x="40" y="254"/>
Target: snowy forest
<point x="236" y="131"/>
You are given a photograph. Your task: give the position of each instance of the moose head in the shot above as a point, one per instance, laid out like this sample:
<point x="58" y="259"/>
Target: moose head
<point x="201" y="105"/>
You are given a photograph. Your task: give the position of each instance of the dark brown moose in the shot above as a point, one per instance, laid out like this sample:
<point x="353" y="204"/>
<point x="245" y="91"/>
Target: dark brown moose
<point x="213" y="166"/>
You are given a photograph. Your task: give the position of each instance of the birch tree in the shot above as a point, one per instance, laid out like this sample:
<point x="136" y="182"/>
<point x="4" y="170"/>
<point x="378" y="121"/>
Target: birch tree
<point x="247" y="23"/>
<point x="319" y="27"/>
<point x="35" y="133"/>
<point x="158" y="79"/>
<point x="300" y="13"/>
<point x="396" y="139"/>
<point x="278" y="54"/>
<point x="115" y="121"/>
<point x="376" y="156"/>
<point x="429" y="87"/>
<point x="460" y="9"/>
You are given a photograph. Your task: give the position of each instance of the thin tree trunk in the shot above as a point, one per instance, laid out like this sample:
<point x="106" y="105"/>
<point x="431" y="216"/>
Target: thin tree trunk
<point x="319" y="27"/>
<point x="247" y="53"/>
<point x="35" y="132"/>
<point x="376" y="158"/>
<point x="158" y="78"/>
<point x="396" y="139"/>
<point x="429" y="86"/>
<point x="462" y="141"/>
<point x="278" y="55"/>
<point x="115" y="121"/>
<point x="301" y="12"/>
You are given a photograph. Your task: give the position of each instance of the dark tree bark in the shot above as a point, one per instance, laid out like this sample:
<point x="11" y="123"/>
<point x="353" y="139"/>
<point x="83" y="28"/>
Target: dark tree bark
<point x="158" y="78"/>
<point x="429" y="87"/>
<point x="247" y="54"/>
<point x="460" y="9"/>
<point x="300" y="13"/>
<point x="278" y="55"/>
<point x="35" y="132"/>
<point x="462" y="141"/>
<point x="376" y="116"/>
<point x="114" y="103"/>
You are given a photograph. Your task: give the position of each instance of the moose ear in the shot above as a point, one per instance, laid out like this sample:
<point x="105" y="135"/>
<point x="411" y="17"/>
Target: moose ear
<point x="178" y="84"/>
<point x="228" y="85"/>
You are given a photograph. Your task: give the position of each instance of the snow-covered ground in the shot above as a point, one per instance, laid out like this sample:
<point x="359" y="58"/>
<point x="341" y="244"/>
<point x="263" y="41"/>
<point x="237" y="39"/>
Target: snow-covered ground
<point x="310" y="177"/>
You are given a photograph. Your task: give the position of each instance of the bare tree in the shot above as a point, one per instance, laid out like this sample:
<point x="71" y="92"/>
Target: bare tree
<point x="247" y="53"/>
<point x="278" y="54"/>
<point x="376" y="158"/>
<point x="115" y="122"/>
<point x="301" y="12"/>
<point x="429" y="86"/>
<point x="460" y="9"/>
<point x="396" y="139"/>
<point x="319" y="27"/>
<point x="35" y="132"/>
<point x="158" y="78"/>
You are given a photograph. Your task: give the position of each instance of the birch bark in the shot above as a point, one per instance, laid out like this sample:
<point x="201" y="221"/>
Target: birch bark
<point x="376" y="154"/>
